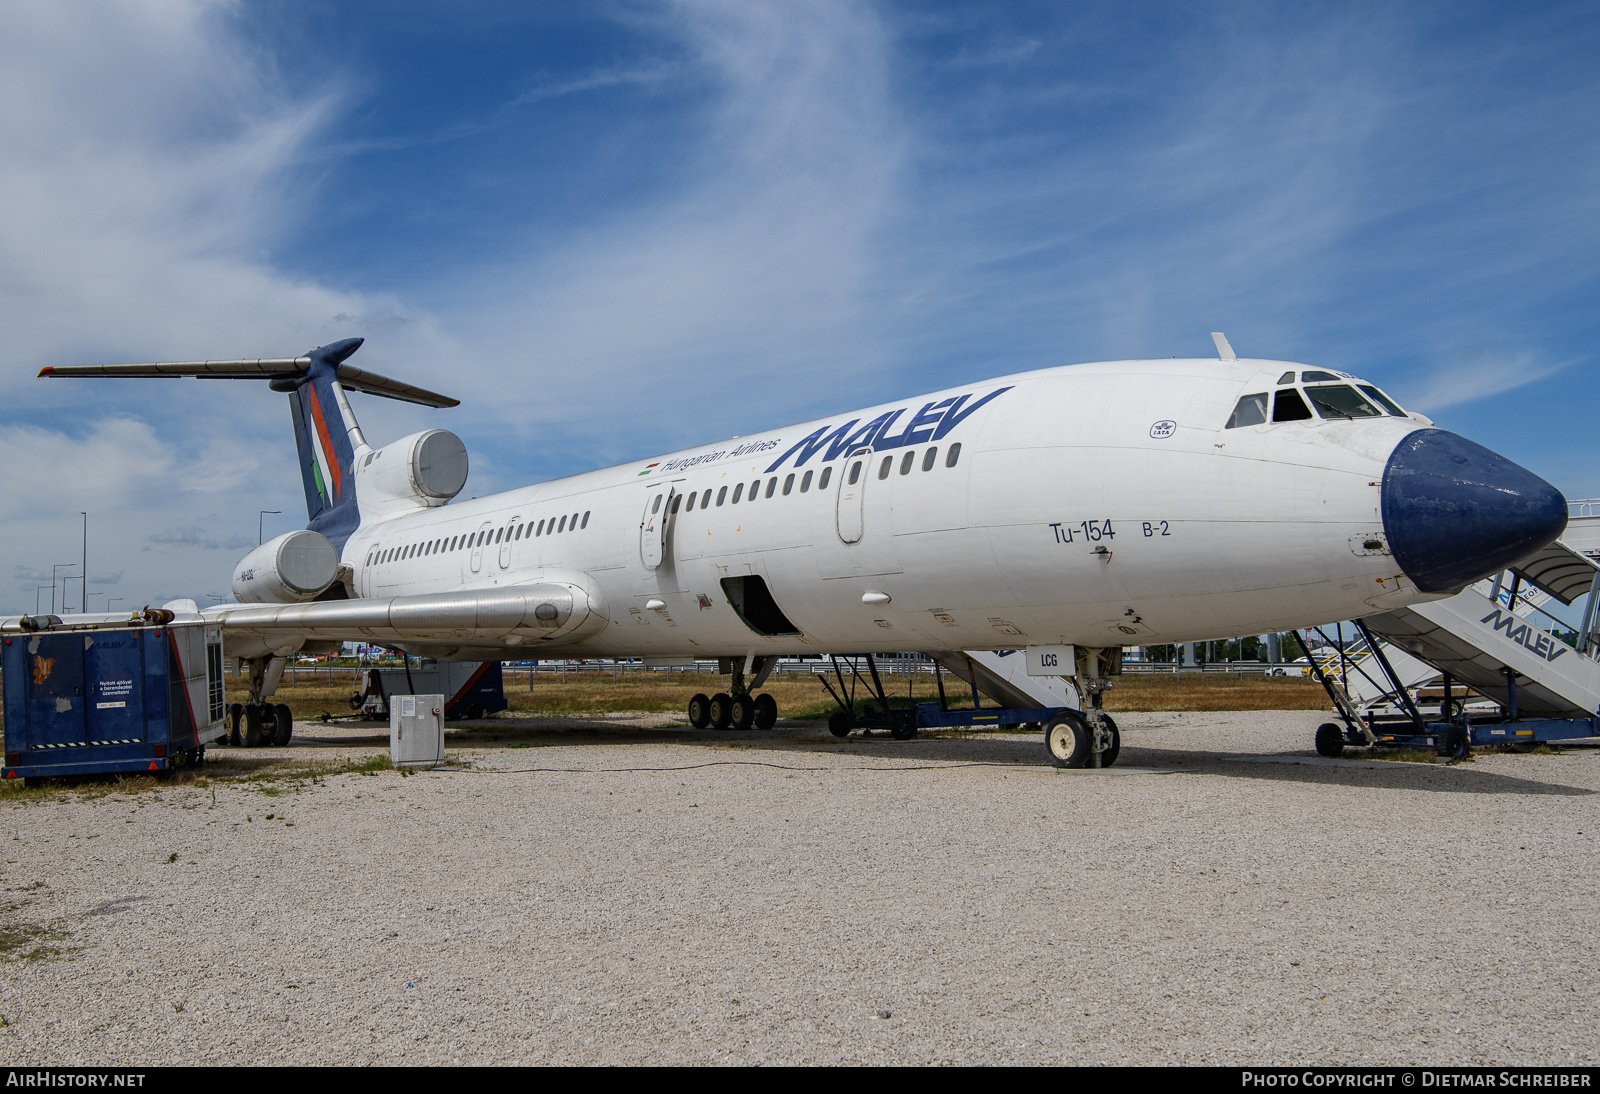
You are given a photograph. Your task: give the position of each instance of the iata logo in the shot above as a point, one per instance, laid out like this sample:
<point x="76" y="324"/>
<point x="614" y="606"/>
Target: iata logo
<point x="1163" y="429"/>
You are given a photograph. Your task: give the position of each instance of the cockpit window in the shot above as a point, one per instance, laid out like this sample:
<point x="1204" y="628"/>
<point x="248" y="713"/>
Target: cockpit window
<point x="1318" y="378"/>
<point x="1383" y="400"/>
<point x="1286" y="378"/>
<point x="1250" y="410"/>
<point x="1341" y="401"/>
<point x="1289" y="407"/>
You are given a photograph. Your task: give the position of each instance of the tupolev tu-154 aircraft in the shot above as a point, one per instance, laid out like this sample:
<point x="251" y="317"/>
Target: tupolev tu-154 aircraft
<point x="1079" y="509"/>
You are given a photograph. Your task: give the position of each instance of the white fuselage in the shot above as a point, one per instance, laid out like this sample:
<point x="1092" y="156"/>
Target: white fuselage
<point x="1100" y="505"/>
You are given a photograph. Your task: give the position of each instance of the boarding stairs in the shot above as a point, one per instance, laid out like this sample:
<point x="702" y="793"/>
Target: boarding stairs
<point x="1496" y="638"/>
<point x="1003" y="676"/>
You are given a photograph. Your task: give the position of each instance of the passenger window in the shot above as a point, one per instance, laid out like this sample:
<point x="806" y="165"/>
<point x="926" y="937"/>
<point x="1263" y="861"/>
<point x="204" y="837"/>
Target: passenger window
<point x="705" y="499"/>
<point x="906" y="461"/>
<point x="519" y="532"/>
<point x="677" y="503"/>
<point x="690" y="507"/>
<point x="855" y="472"/>
<point x="1318" y="377"/>
<point x="883" y="468"/>
<point x="955" y="454"/>
<point x="788" y="483"/>
<point x="822" y="483"/>
<point x="722" y="495"/>
<point x="656" y="508"/>
<point x="1250" y="410"/>
<point x="1341" y="401"/>
<point x="755" y="489"/>
<point x="805" y="483"/>
<point x="574" y="522"/>
<point x="737" y="490"/>
<point x="563" y="526"/>
<point x="772" y="485"/>
<point x="1286" y="378"/>
<point x="585" y="523"/>
<point x="929" y="458"/>
<point x="498" y="532"/>
<point x="1289" y="407"/>
<point x="1382" y="400"/>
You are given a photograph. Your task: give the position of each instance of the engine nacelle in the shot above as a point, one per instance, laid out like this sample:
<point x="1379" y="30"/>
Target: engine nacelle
<point x="291" y="569"/>
<point x="425" y="469"/>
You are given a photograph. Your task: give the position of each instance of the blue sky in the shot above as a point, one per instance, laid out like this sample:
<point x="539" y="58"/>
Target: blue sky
<point x="615" y="229"/>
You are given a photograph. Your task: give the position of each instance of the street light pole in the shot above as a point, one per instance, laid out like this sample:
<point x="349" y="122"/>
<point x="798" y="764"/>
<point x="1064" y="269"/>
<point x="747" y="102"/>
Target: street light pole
<point x="37" y="590"/>
<point x="83" y="603"/>
<point x="259" y="519"/>
<point x="53" y="570"/>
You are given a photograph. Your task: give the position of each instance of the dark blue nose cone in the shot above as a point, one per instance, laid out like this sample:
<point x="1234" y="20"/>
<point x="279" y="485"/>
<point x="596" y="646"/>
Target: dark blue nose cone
<point x="1454" y="512"/>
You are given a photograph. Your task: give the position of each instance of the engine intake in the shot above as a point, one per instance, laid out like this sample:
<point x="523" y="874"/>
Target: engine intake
<point x="291" y="569"/>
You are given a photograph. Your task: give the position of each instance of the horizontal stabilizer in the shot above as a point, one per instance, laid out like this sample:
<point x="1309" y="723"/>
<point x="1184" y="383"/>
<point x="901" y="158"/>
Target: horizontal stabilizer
<point x="290" y="369"/>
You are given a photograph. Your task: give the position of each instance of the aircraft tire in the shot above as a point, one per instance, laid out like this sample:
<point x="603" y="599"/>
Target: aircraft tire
<point x="1066" y="740"/>
<point x="1330" y="740"/>
<point x="721" y="714"/>
<point x="840" y="723"/>
<point x="282" y="724"/>
<point x="252" y="725"/>
<point x="1109" y="756"/>
<point x="741" y="712"/>
<point x="700" y="711"/>
<point x="235" y="712"/>
<point x="766" y="711"/>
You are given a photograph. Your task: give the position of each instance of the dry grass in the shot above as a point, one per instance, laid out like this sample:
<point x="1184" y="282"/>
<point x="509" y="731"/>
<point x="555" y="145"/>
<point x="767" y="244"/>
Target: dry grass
<point x="1215" y="692"/>
<point x="598" y="692"/>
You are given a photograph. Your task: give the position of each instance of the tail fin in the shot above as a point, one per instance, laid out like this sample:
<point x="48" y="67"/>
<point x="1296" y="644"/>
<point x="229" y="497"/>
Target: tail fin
<point x="327" y="437"/>
<point x="325" y="431"/>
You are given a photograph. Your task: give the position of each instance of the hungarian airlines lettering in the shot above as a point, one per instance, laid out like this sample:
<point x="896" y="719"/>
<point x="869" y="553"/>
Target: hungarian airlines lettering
<point x="1530" y="638"/>
<point x="931" y="423"/>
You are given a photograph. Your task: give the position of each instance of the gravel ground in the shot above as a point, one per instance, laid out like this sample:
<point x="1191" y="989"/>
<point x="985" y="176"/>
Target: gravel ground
<point x="608" y="891"/>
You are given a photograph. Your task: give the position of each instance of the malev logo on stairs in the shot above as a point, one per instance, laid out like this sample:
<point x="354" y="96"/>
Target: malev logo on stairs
<point x="1528" y="637"/>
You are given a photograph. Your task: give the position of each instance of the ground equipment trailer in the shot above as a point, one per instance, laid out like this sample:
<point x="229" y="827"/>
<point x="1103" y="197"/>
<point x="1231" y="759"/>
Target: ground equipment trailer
<point x="109" y="695"/>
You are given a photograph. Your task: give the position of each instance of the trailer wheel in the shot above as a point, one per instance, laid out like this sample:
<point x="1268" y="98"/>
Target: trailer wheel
<point x="721" y="711"/>
<point x="1066" y="740"/>
<point x="477" y="712"/>
<point x="235" y="712"/>
<point x="1453" y="744"/>
<point x="766" y="711"/>
<point x="1330" y="740"/>
<point x="252" y="725"/>
<point x="283" y="725"/>
<point x="840" y="723"/>
<point x="700" y="711"/>
<point x="903" y="727"/>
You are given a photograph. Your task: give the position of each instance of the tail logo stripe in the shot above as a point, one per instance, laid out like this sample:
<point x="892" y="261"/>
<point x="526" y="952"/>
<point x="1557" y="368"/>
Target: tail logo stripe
<point x="325" y="446"/>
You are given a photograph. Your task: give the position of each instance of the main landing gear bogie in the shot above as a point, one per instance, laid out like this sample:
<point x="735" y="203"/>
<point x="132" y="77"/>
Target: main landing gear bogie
<point x="741" y="711"/>
<point x="255" y="725"/>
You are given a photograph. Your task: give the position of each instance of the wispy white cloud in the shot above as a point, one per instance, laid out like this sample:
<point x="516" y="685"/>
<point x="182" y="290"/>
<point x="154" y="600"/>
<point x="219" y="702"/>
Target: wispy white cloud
<point x="762" y="262"/>
<point x="1476" y="378"/>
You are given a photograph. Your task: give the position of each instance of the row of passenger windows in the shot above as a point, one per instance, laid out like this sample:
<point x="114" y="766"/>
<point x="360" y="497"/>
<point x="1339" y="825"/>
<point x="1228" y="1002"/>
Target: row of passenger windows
<point x="1331" y="400"/>
<point x="551" y="526"/>
<point x="930" y="459"/>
